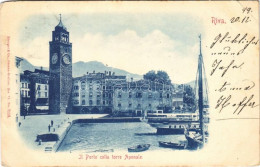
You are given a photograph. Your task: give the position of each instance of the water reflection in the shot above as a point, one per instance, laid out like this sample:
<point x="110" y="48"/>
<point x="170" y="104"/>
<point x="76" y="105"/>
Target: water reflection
<point x="89" y="137"/>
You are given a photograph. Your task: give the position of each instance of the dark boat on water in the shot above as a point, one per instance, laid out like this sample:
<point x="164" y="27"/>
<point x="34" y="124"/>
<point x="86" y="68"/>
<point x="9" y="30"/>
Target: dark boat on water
<point x="139" y="148"/>
<point x="172" y="145"/>
<point x="145" y="134"/>
<point x="196" y="139"/>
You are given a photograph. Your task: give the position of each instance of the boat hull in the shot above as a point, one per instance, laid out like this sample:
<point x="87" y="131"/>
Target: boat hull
<point x="169" y="131"/>
<point x="193" y="143"/>
<point x="172" y="145"/>
<point x="139" y="148"/>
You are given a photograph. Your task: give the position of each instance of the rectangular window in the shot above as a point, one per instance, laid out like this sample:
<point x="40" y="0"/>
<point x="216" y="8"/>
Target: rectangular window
<point x="109" y="95"/>
<point x="98" y="102"/>
<point x="119" y="94"/>
<point x="39" y="87"/>
<point x="83" y="102"/>
<point x="119" y="104"/>
<point x="90" y="102"/>
<point x="46" y="94"/>
<point x="22" y="85"/>
<point x="98" y="94"/>
<point x="161" y="95"/>
<point x="130" y="105"/>
<point x="130" y="94"/>
<point x="168" y="96"/>
<point x="90" y="94"/>
<point x="138" y="95"/>
<point x="104" y="87"/>
<point x="104" y="102"/>
<point x="150" y="95"/>
<point x="46" y="87"/>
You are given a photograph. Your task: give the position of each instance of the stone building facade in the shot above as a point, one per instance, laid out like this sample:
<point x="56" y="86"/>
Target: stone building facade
<point x="93" y="92"/>
<point x="34" y="90"/>
<point x="109" y="93"/>
<point x="60" y="70"/>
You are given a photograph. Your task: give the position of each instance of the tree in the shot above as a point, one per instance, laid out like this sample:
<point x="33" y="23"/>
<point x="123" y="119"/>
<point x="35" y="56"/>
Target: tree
<point x="189" y="96"/>
<point x="151" y="75"/>
<point x="160" y="75"/>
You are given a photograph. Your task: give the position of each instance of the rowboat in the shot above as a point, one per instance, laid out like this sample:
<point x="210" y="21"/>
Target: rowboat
<point x="172" y="145"/>
<point x="139" y="148"/>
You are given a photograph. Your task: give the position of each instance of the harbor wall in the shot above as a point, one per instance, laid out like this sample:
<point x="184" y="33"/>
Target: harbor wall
<point x="62" y="137"/>
<point x="106" y="120"/>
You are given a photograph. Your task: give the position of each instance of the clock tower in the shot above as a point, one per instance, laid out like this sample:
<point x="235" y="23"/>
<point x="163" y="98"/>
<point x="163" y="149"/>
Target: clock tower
<point x="60" y="71"/>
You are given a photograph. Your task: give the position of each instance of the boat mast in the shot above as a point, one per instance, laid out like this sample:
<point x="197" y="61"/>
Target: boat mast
<point x="200" y="84"/>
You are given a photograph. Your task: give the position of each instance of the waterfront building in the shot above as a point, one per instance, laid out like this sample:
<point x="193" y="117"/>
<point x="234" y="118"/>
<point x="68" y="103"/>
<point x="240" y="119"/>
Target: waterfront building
<point x="109" y="93"/>
<point x="93" y="92"/>
<point x="17" y="88"/>
<point x="34" y="89"/>
<point x="177" y="99"/>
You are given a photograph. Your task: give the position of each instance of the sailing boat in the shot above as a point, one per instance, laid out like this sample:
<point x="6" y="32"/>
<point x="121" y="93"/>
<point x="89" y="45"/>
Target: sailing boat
<point x="196" y="139"/>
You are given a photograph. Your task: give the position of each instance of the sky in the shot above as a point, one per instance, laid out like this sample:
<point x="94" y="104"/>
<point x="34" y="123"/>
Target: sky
<point x="136" y="43"/>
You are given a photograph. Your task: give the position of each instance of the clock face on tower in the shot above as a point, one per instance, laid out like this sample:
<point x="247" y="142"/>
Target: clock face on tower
<point x="54" y="58"/>
<point x="66" y="59"/>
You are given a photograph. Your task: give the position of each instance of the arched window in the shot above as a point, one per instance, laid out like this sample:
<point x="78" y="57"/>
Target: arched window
<point x="83" y="85"/>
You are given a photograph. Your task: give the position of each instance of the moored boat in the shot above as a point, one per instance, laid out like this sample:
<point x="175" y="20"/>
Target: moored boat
<point x="172" y="145"/>
<point x="194" y="140"/>
<point x="139" y="148"/>
<point x="197" y="139"/>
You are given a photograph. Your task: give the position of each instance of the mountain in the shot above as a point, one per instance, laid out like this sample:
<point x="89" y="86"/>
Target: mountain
<point x="26" y="65"/>
<point x="80" y="68"/>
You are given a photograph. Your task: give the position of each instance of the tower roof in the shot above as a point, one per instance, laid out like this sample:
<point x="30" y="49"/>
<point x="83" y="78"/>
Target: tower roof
<point x="61" y="24"/>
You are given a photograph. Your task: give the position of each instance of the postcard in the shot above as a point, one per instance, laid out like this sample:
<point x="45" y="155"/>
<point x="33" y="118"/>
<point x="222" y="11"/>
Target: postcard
<point x="160" y="83"/>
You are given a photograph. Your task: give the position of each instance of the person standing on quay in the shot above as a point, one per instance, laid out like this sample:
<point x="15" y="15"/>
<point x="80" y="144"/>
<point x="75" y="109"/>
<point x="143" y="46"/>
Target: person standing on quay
<point x="51" y="123"/>
<point x="49" y="127"/>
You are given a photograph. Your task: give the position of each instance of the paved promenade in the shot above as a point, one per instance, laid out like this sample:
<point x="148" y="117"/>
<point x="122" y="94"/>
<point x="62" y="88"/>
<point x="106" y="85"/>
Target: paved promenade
<point x="34" y="125"/>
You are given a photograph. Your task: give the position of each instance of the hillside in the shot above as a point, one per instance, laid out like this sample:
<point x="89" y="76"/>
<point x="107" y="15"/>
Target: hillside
<point x="80" y="68"/>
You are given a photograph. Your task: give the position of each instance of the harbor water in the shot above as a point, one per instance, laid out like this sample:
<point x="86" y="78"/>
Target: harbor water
<point x="89" y="137"/>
